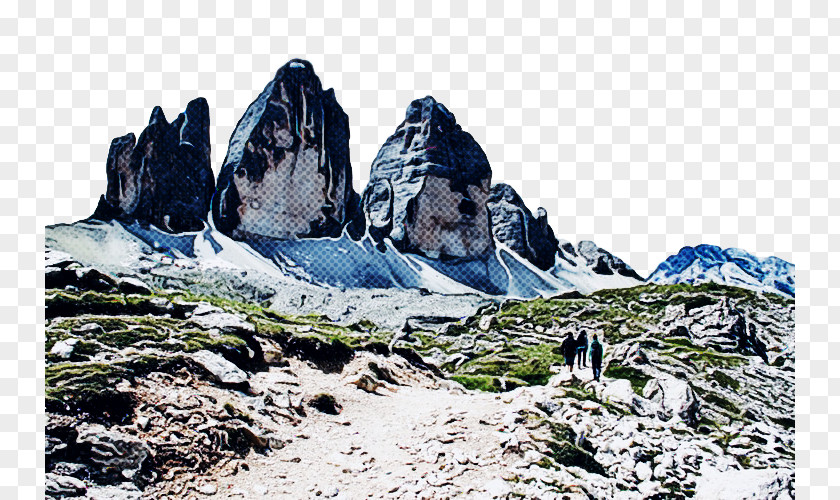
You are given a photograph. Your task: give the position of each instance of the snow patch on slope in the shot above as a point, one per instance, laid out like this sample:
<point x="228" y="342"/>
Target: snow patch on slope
<point x="592" y="268"/>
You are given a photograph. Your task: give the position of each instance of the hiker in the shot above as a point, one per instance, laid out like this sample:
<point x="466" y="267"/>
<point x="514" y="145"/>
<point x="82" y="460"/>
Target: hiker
<point x="596" y="353"/>
<point x="569" y="349"/>
<point x="582" y="344"/>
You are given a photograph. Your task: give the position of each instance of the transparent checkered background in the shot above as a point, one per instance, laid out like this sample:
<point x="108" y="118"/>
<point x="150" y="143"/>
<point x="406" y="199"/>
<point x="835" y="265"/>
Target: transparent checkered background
<point x="644" y="128"/>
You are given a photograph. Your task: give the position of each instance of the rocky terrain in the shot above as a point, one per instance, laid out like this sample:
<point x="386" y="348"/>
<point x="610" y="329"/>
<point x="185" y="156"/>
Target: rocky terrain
<point x="162" y="393"/>
<point x="274" y="334"/>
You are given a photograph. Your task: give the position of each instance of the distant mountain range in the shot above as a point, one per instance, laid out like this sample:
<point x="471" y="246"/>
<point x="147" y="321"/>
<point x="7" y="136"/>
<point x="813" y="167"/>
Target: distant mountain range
<point x="430" y="218"/>
<point x="733" y="266"/>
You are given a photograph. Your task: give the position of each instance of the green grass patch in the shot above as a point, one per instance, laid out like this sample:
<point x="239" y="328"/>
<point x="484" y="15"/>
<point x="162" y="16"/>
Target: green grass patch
<point x="725" y="380"/>
<point x="715" y="399"/>
<point x="487" y="383"/>
<point x="638" y="379"/>
<point x="87" y="388"/>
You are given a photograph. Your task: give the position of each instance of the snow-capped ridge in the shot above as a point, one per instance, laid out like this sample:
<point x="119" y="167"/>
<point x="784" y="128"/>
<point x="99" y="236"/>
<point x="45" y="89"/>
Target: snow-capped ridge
<point x="733" y="266"/>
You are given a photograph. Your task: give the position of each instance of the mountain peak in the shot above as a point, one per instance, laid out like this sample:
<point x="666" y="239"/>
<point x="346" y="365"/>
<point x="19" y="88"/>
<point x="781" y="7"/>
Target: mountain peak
<point x="429" y="186"/>
<point x="163" y="177"/>
<point x="733" y="266"/>
<point x="287" y="172"/>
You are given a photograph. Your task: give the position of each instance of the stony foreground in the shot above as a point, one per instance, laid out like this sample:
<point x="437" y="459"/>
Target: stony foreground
<point x="164" y="394"/>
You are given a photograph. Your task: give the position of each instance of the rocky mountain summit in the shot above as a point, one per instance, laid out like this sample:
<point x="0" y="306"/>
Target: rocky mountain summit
<point x="287" y="171"/>
<point x="308" y="342"/>
<point x="430" y="209"/>
<point x="165" y="177"/>
<point x="429" y="186"/>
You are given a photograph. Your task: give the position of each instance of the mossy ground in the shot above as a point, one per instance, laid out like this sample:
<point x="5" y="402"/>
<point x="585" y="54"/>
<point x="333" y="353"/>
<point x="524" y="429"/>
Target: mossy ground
<point x="629" y="314"/>
<point x="123" y="336"/>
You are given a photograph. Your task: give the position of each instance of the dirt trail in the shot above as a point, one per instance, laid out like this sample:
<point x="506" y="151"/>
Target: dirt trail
<point x="424" y="440"/>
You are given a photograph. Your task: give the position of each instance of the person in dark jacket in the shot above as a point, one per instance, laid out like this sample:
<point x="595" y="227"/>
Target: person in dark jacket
<point x="596" y="354"/>
<point x="582" y="344"/>
<point x="569" y="350"/>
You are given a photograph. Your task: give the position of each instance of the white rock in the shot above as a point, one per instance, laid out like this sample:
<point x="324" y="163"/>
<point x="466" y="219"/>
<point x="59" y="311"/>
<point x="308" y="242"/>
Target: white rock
<point x="648" y="488"/>
<point x="133" y="285"/>
<point x="223" y="370"/>
<point x="660" y="471"/>
<point x="618" y="391"/>
<point x="142" y="422"/>
<point x="211" y="317"/>
<point x="208" y="489"/>
<point x="64" y="348"/>
<point x="643" y="471"/>
<point x="60" y="486"/>
<point x="672" y="398"/>
<point x="497" y="488"/>
<point x="742" y="484"/>
<point x="55" y="258"/>
<point x="487" y="321"/>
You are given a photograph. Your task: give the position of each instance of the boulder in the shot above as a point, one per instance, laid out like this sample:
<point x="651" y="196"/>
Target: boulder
<point x="129" y="285"/>
<point x="113" y="451"/>
<point x="78" y="471"/>
<point x="631" y="354"/>
<point x="164" y="177"/>
<point x="64" y="486"/>
<point x="488" y="322"/>
<point x="88" y="278"/>
<point x="672" y="398"/>
<point x="515" y="226"/>
<point x="213" y="318"/>
<point x="325" y="403"/>
<point x="64" y="348"/>
<point x="429" y="187"/>
<point x="287" y="172"/>
<point x="57" y="259"/>
<point x="620" y="392"/>
<point x="221" y="369"/>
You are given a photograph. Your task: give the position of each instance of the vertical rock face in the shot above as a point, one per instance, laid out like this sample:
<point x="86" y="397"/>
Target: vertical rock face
<point x="165" y="177"/>
<point x="429" y="187"/>
<point x="287" y="172"/>
<point x="515" y="226"/>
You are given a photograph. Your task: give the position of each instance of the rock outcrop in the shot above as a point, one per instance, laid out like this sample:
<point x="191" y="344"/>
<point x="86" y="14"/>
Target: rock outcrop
<point x="515" y="226"/>
<point x="164" y="177"/>
<point x="287" y="172"/>
<point x="429" y="187"/>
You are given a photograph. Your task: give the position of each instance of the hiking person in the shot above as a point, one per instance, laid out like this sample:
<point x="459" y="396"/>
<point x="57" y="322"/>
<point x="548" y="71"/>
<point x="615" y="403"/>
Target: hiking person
<point x="596" y="353"/>
<point x="569" y="350"/>
<point x="582" y="344"/>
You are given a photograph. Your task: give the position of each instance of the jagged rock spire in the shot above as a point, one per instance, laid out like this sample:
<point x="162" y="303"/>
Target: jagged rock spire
<point x="515" y="226"/>
<point x="164" y="176"/>
<point x="429" y="186"/>
<point x="287" y="171"/>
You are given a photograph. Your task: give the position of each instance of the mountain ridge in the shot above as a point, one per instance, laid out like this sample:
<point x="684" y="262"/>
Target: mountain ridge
<point x="731" y="266"/>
